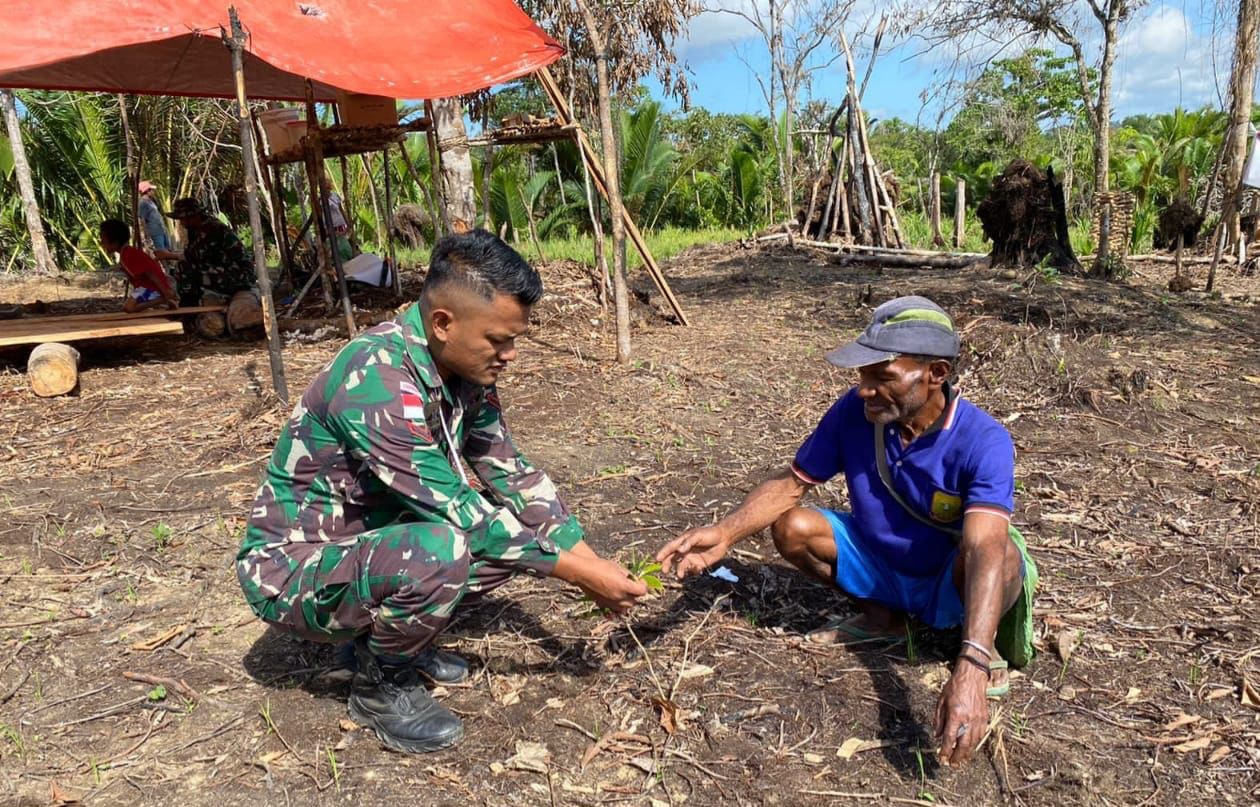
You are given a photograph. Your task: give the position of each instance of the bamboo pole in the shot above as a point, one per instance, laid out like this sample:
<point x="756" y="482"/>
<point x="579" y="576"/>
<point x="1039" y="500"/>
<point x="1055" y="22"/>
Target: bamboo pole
<point x="236" y="45"/>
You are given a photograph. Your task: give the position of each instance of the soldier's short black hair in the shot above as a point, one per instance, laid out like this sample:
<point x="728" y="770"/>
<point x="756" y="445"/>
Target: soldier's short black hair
<point x="116" y="231"/>
<point x="480" y="261"/>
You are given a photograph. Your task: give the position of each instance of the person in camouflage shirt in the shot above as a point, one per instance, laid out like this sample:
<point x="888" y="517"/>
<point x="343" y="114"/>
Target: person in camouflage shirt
<point x="214" y="259"/>
<point x="368" y="526"/>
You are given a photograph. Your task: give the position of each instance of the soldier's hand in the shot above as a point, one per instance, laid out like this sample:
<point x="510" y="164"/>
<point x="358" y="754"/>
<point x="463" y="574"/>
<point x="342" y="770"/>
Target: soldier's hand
<point x="694" y="551"/>
<point x="608" y="584"/>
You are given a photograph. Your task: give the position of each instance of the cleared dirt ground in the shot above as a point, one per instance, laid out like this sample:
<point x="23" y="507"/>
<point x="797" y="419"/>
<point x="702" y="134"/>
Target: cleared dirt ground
<point x="1135" y="413"/>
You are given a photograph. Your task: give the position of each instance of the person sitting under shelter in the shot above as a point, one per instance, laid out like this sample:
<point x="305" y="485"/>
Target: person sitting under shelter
<point x="931" y="484"/>
<point x="150" y="285"/>
<point x="214" y="269"/>
<point x="367" y="526"/>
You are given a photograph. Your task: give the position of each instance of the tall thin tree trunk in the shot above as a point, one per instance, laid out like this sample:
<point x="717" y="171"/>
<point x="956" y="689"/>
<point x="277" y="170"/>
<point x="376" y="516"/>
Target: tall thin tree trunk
<point x="1102" y="116"/>
<point x="26" y="187"/>
<point x="1241" y="91"/>
<point x="612" y="171"/>
<point x="487" y="173"/>
<point x="458" y="194"/>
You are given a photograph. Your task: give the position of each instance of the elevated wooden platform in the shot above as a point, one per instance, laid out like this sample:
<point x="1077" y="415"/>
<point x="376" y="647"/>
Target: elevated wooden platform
<point x="83" y="327"/>
<point x="343" y="141"/>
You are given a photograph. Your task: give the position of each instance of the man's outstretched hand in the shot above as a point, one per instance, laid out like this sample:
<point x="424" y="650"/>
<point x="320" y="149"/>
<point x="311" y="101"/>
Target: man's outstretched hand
<point x="693" y="551"/>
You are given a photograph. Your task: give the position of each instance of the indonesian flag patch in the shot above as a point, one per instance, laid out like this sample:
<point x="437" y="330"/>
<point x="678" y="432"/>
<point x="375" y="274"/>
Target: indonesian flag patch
<point x="413" y="411"/>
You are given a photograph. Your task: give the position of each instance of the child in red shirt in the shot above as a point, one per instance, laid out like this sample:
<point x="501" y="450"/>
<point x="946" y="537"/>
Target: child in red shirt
<point x="152" y="286"/>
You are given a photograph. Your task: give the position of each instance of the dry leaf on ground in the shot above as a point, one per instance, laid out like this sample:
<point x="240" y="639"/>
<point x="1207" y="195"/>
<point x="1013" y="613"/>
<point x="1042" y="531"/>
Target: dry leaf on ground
<point x="856" y="745"/>
<point x="529" y="756"/>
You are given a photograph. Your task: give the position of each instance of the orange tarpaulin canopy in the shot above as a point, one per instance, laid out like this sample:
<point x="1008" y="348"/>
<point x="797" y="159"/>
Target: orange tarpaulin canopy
<point x="396" y="48"/>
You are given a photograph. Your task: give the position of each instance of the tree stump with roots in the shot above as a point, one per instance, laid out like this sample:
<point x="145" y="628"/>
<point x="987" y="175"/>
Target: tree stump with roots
<point x="1025" y="216"/>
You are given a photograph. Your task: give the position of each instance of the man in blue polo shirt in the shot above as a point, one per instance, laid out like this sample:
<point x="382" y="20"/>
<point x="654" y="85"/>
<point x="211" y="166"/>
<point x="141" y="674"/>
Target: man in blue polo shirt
<point x="931" y="483"/>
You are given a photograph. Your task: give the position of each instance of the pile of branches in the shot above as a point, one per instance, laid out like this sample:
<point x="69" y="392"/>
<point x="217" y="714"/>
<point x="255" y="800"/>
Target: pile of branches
<point x="853" y="202"/>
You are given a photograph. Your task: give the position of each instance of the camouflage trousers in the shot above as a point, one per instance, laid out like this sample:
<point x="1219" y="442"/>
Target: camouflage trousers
<point x="399" y="584"/>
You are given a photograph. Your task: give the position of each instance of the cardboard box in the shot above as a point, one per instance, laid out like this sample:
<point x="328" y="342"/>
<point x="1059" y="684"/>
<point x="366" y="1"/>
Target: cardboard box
<point x="366" y="110"/>
<point x="278" y="126"/>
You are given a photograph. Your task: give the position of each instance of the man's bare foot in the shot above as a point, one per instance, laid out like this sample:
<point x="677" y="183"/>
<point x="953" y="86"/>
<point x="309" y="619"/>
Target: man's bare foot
<point x="874" y="624"/>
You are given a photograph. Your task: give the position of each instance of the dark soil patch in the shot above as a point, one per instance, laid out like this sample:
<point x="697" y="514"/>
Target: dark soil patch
<point x="1135" y="418"/>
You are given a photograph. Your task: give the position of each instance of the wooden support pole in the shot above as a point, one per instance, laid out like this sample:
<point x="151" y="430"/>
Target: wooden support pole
<point x="275" y="204"/>
<point x="435" y="170"/>
<point x="313" y="148"/>
<point x="596" y="170"/>
<point x="395" y="275"/>
<point x="236" y="45"/>
<point x="323" y="244"/>
<point x="376" y="205"/>
<point x="934" y="211"/>
<point x="282" y="221"/>
<point x="320" y="178"/>
<point x="426" y="189"/>
<point x="960" y="212"/>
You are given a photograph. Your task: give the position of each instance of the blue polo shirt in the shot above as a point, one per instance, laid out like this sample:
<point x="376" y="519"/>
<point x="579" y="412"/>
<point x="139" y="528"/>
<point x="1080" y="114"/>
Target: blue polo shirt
<point x="965" y="462"/>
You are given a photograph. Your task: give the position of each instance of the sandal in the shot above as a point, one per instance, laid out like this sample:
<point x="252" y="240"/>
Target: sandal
<point x="830" y="633"/>
<point x="1001" y="689"/>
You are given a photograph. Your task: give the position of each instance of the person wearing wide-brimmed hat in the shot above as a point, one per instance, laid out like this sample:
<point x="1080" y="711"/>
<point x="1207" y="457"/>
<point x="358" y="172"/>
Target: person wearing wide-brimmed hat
<point x="215" y="267"/>
<point x="931" y="480"/>
<point x="151" y="217"/>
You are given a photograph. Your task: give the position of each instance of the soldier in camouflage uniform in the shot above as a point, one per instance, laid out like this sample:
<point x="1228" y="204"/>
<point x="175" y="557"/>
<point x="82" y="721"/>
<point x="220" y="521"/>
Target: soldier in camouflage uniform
<point x="214" y="269"/>
<point x="367" y="525"/>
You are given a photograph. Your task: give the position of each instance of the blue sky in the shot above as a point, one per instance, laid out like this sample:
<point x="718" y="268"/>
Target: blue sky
<point x="1170" y="54"/>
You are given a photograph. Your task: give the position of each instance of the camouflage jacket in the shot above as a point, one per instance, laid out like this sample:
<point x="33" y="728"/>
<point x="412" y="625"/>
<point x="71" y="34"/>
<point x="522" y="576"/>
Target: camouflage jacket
<point x="215" y="259"/>
<point x="368" y="446"/>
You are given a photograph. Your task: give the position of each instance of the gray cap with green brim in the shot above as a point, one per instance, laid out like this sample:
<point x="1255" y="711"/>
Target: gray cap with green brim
<point x="907" y="325"/>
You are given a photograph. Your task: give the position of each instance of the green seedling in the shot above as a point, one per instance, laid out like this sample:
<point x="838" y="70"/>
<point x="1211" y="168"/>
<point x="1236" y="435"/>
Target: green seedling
<point x="924" y="793"/>
<point x="336" y="769"/>
<point x="645" y="569"/>
<point x="1019" y="724"/>
<point x="162" y="535"/>
<point x="10" y="734"/>
<point x="158" y="693"/>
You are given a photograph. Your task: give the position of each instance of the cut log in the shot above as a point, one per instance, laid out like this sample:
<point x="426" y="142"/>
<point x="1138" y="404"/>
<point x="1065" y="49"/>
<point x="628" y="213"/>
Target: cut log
<point x="53" y="369"/>
<point x="904" y="261"/>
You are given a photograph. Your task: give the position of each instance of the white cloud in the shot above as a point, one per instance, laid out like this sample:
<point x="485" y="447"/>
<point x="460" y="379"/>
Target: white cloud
<point x="1164" y="60"/>
<point x="720" y="28"/>
<point x="717" y="28"/>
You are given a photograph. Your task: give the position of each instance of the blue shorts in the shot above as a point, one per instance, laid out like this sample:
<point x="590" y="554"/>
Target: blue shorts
<point x="863" y="574"/>
<point x="143" y="295"/>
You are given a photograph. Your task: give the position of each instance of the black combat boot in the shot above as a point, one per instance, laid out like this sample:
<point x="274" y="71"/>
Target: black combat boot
<point x="438" y="665"/>
<point x="441" y="666"/>
<point x="391" y="701"/>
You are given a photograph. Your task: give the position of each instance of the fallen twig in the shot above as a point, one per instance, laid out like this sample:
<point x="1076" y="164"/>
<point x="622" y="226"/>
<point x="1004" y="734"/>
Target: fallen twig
<point x="178" y="687"/>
